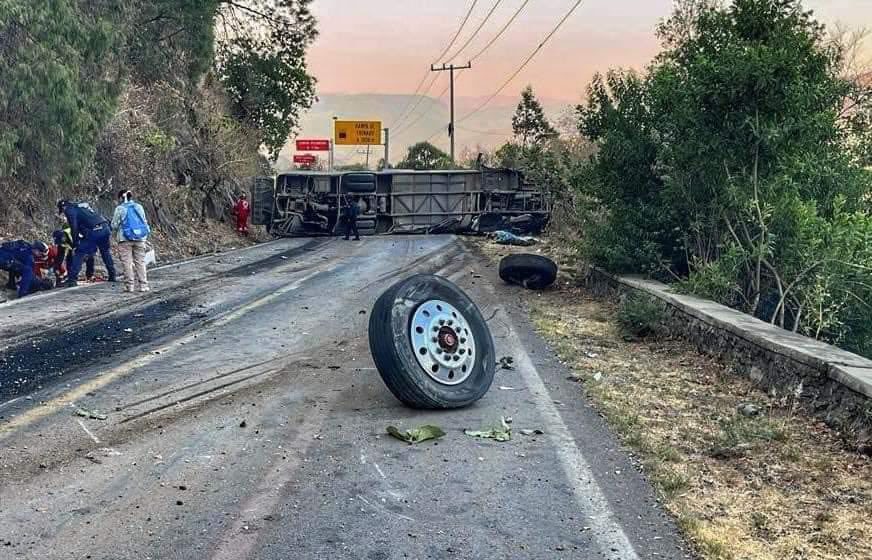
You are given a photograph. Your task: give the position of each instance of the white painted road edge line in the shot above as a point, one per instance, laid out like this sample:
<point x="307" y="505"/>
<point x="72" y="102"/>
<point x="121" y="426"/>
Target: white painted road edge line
<point x="607" y="531"/>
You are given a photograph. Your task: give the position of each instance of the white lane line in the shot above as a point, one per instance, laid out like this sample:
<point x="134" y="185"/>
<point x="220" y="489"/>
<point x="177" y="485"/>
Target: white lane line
<point x="378" y="468"/>
<point x="605" y="527"/>
<point x="87" y="431"/>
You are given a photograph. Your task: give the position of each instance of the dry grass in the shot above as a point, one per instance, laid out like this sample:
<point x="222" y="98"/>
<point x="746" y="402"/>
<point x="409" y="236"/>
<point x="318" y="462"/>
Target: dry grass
<point x="778" y="485"/>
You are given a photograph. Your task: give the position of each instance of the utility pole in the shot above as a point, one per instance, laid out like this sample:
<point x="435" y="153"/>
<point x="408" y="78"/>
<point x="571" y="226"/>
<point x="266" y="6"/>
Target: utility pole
<point x="450" y="68"/>
<point x="387" y="147"/>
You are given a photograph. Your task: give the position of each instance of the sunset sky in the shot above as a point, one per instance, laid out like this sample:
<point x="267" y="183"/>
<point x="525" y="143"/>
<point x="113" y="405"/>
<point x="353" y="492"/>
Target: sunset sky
<point x="384" y="46"/>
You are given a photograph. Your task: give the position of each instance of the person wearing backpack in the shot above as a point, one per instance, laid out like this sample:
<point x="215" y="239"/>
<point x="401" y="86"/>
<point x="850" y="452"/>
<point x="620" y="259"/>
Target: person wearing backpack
<point x="131" y="231"/>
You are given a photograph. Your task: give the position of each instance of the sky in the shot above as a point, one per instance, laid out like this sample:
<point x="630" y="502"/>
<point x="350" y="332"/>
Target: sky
<point x="386" y="46"/>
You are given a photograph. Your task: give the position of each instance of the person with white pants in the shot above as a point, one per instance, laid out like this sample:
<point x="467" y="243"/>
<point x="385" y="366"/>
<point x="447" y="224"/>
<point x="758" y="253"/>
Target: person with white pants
<point x="132" y="246"/>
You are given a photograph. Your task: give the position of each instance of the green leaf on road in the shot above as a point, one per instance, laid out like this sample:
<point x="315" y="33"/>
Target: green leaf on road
<point x="417" y="435"/>
<point x="503" y="432"/>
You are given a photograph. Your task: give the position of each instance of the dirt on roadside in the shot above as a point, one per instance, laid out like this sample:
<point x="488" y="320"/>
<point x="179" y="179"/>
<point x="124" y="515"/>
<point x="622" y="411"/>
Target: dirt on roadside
<point x="746" y="476"/>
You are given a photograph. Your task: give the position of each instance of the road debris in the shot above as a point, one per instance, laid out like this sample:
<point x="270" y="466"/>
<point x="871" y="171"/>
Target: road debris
<point x="503" y="237"/>
<point x="749" y="409"/>
<point x="507" y="388"/>
<point x="417" y="435"/>
<point x="506" y="362"/>
<point x="533" y="432"/>
<point x="503" y="432"/>
<point x="92" y="414"/>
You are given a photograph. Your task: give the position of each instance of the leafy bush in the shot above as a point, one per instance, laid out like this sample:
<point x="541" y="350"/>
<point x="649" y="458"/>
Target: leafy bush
<point x="737" y="165"/>
<point x="640" y="314"/>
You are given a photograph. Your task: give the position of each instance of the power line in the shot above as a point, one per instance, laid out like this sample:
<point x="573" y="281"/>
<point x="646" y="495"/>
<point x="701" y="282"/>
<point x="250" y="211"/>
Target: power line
<point x="408" y="125"/>
<point x="524" y="64"/>
<point x="490" y="132"/>
<point x="500" y="32"/>
<point x="456" y="35"/>
<point x="475" y="32"/>
<point x="424" y="77"/>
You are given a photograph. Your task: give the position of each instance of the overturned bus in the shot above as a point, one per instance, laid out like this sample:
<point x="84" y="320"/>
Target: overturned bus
<point x="306" y="203"/>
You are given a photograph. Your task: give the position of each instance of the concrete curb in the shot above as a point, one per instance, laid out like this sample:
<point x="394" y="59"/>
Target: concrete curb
<point x="833" y="384"/>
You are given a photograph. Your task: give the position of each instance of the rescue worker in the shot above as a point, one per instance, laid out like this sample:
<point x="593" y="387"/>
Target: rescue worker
<point x="18" y="258"/>
<point x="131" y="231"/>
<point x="63" y="240"/>
<point x="351" y="212"/>
<point x="90" y="232"/>
<point x="242" y="209"/>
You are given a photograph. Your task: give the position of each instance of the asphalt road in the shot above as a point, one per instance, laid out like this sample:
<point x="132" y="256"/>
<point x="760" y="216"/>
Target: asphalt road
<point x="245" y="419"/>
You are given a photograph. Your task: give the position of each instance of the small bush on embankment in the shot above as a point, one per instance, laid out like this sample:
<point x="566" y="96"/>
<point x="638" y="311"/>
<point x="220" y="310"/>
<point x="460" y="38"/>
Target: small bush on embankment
<point x="640" y="315"/>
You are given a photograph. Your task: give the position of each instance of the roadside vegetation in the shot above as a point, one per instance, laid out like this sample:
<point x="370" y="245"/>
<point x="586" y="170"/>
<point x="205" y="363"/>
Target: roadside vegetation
<point x="736" y="166"/>
<point x="181" y="102"/>
<point x="744" y="474"/>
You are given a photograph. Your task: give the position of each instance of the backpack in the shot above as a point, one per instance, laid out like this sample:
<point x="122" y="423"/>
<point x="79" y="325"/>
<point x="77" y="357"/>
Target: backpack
<point x="133" y="226"/>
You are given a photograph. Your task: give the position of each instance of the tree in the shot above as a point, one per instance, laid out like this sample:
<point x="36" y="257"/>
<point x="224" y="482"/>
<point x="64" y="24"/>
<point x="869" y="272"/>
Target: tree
<point x="425" y="155"/>
<point x="261" y="62"/>
<point x="529" y="123"/>
<point x="736" y="164"/>
<point x="61" y="80"/>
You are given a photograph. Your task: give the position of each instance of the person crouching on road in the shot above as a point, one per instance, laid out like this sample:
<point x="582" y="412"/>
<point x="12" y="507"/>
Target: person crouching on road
<point x="131" y="231"/>
<point x="90" y="232"/>
<point x="242" y="209"/>
<point x="18" y="258"/>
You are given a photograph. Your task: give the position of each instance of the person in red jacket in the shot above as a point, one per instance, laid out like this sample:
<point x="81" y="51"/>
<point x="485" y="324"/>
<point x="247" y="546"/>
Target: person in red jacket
<point x="242" y="209"/>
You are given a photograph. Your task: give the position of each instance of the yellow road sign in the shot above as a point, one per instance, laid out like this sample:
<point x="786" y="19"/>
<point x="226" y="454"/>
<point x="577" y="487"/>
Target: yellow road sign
<point x="356" y="133"/>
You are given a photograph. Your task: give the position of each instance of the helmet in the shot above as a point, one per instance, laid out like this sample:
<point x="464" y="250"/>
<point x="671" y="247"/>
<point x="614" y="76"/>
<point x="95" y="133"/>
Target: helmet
<point x="39" y="246"/>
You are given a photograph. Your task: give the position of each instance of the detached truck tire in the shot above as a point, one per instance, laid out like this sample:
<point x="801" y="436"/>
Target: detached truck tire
<point x="530" y="271"/>
<point x="430" y="343"/>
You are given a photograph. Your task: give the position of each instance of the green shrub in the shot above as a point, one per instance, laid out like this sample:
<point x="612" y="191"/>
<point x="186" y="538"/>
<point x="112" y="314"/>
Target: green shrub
<point x="640" y="315"/>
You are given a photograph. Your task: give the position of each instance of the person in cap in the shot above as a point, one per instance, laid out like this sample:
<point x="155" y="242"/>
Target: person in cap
<point x="90" y="232"/>
<point x="17" y="258"/>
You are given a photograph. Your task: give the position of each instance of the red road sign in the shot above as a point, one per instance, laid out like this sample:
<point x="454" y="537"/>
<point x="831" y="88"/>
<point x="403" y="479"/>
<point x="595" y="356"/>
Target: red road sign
<point x="313" y="145"/>
<point x="306" y="159"/>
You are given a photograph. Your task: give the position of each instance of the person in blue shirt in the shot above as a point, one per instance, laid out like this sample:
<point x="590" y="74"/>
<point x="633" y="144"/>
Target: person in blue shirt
<point x="90" y="232"/>
<point x="17" y="258"/>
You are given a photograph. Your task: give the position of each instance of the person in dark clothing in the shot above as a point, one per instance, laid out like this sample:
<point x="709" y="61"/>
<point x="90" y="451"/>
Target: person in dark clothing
<point x="90" y="232"/>
<point x="352" y="211"/>
<point x="17" y="258"/>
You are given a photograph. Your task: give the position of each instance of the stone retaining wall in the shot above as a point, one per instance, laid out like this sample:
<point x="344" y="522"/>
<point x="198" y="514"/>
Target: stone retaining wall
<point x="831" y="383"/>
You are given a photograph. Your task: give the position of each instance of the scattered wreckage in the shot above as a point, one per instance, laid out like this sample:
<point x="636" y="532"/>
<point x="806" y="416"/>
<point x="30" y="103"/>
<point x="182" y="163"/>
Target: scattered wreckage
<point x="310" y="203"/>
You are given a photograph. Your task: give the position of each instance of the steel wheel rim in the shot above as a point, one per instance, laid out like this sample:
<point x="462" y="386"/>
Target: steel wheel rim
<point x="443" y="342"/>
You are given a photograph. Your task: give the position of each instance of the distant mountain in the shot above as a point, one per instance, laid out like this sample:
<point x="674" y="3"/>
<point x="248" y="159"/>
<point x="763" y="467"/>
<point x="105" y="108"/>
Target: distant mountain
<point x="487" y="128"/>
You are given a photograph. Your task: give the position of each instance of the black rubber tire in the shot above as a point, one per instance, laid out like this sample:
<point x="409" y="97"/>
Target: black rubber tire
<point x="531" y="271"/>
<point x="391" y="346"/>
